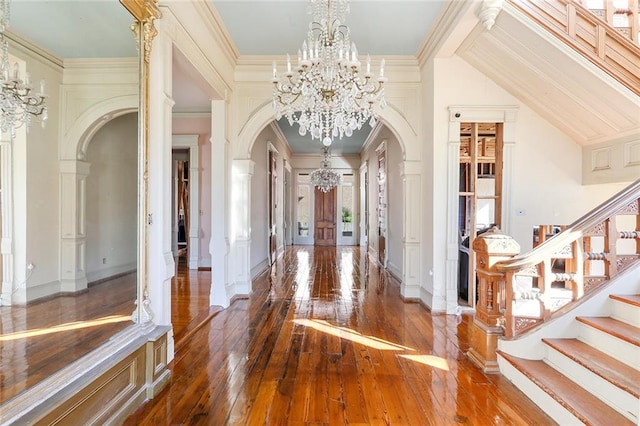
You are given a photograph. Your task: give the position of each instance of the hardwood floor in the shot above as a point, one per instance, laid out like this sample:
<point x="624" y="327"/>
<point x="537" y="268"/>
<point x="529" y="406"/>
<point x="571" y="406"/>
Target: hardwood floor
<point x="43" y="337"/>
<point x="38" y="340"/>
<point x="324" y="339"/>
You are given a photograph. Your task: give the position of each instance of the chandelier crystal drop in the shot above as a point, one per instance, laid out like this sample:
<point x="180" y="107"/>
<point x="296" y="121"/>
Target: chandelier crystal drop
<point x="18" y="101"/>
<point x="326" y="93"/>
<point x="325" y="178"/>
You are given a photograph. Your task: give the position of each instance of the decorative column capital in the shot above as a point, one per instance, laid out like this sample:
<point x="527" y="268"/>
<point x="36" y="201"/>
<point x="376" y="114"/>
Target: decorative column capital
<point x="243" y="167"/>
<point x="489" y="12"/>
<point x="75" y="167"/>
<point x="410" y="168"/>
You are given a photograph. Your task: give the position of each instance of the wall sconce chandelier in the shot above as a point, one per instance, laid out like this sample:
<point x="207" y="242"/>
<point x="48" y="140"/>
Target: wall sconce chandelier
<point x="18" y="103"/>
<point x="325" y="178"/>
<point x="325" y="93"/>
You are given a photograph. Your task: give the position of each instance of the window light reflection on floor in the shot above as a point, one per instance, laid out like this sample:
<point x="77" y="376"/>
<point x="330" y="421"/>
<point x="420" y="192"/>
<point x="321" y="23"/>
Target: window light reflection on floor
<point x="64" y="327"/>
<point x="373" y="342"/>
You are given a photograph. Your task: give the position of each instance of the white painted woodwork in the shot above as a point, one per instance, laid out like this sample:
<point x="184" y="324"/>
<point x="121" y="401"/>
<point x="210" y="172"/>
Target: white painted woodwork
<point x="410" y="172"/>
<point x="220" y="224"/>
<point x="625" y="312"/>
<point x="473" y="114"/>
<point x="618" y="399"/>
<point x="159" y="258"/>
<point x="550" y="406"/>
<point x="242" y="171"/>
<point x="6" y="241"/>
<point x="530" y="346"/>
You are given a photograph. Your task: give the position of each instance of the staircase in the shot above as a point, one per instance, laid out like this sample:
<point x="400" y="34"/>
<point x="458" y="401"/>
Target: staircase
<point x="591" y="373"/>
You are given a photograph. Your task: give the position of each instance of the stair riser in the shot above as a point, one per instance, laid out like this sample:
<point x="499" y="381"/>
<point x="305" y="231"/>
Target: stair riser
<point x="542" y="399"/>
<point x="617" y="348"/>
<point x="618" y="399"/>
<point x="626" y="312"/>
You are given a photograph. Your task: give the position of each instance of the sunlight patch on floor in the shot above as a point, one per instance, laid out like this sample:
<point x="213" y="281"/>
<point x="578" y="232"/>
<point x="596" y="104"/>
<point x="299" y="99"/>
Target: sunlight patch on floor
<point x="64" y="327"/>
<point x="354" y="336"/>
<point x="430" y="360"/>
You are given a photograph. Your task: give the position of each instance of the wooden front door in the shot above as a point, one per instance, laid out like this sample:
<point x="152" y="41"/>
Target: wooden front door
<point x="325" y="217"/>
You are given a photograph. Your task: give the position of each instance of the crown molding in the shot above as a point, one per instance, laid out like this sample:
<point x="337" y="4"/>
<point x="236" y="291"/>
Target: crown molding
<point x="444" y="25"/>
<point x="191" y="113"/>
<point x="31" y="48"/>
<point x="219" y="30"/>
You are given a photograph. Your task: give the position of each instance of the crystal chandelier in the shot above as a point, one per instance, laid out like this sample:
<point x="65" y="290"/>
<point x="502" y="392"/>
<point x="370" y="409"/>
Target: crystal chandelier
<point x="325" y="93"/>
<point x="325" y="177"/>
<point x="18" y="102"/>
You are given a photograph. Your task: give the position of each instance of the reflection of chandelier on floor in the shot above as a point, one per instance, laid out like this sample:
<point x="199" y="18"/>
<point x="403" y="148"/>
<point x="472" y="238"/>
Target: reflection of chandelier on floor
<point x="325" y="178"/>
<point x="325" y="93"/>
<point x="18" y="103"/>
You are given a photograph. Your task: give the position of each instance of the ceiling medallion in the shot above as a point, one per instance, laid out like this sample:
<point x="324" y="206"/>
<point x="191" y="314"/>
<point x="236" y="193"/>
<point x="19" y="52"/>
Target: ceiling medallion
<point x="325" y="92"/>
<point x="325" y="178"/>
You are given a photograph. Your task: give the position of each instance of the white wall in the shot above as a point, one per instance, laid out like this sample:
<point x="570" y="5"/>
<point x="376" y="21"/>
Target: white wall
<point x="112" y="199"/>
<point x="547" y="171"/>
<point x="36" y="189"/>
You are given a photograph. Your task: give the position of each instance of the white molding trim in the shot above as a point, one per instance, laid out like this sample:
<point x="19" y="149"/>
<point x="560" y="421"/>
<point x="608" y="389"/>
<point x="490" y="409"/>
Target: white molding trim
<point x="506" y="114"/>
<point x="6" y="242"/>
<point x="364" y="208"/>
<point x="190" y="142"/>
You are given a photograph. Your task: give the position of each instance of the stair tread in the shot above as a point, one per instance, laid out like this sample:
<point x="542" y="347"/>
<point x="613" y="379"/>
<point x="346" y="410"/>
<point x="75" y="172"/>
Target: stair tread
<point x="614" y="327"/>
<point x="610" y="369"/>
<point x="631" y="299"/>
<point x="582" y="404"/>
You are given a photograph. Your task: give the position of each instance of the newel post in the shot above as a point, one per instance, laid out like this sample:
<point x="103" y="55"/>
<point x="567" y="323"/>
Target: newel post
<point x="490" y="248"/>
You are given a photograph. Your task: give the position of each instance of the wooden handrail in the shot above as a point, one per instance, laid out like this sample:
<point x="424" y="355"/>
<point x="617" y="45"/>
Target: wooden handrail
<point x="572" y="232"/>
<point x="591" y="36"/>
<point x="515" y="290"/>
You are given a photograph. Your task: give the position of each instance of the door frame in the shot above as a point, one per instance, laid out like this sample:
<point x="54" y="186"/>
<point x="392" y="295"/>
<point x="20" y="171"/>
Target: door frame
<point x="272" y="203"/>
<point x="475" y="114"/>
<point x="190" y="142"/>
<point x="355" y="213"/>
<point x="310" y="238"/>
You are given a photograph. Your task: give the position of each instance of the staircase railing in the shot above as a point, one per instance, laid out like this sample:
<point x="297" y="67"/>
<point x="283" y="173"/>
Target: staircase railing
<point x="597" y="40"/>
<point x="516" y="291"/>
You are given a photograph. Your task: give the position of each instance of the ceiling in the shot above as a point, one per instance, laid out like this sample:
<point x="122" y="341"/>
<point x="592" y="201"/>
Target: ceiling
<point x="100" y="28"/>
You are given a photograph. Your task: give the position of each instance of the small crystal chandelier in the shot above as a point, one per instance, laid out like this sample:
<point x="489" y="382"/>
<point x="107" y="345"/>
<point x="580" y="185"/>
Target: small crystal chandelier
<point x="325" y="93"/>
<point x="18" y="103"/>
<point x="325" y="177"/>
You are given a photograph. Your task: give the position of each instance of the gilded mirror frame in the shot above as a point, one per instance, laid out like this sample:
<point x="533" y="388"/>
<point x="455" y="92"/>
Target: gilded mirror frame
<point x="145" y="12"/>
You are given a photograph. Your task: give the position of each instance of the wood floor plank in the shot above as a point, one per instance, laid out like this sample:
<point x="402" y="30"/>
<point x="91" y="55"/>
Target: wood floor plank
<point x="329" y="341"/>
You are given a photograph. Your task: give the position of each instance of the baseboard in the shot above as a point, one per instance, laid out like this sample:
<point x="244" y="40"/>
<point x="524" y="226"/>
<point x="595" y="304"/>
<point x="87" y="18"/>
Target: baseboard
<point x="108" y="383"/>
<point x="259" y="269"/>
<point x="113" y="277"/>
<point x="106" y="273"/>
<point x="204" y="268"/>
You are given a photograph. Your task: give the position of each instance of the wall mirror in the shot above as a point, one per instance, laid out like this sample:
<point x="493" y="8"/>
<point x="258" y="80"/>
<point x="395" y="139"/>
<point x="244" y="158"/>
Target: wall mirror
<point x="69" y="191"/>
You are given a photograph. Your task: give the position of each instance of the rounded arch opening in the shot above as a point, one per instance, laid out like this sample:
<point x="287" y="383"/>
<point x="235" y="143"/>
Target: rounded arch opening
<point x="390" y="117"/>
<point x="76" y="140"/>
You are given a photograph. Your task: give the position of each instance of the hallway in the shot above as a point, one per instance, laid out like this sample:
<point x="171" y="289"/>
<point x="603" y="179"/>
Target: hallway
<point x="319" y="344"/>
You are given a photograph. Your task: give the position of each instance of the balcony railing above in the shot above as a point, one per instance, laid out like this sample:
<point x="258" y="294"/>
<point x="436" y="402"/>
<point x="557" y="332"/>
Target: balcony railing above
<point x="614" y="50"/>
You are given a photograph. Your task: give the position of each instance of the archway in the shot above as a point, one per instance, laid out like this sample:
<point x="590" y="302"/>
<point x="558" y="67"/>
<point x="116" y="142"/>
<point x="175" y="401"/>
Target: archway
<point x="411" y="189"/>
<point x="73" y="173"/>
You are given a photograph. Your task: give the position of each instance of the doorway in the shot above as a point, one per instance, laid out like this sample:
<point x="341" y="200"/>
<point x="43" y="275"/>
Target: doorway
<point x="479" y="196"/>
<point x="325" y="217"/>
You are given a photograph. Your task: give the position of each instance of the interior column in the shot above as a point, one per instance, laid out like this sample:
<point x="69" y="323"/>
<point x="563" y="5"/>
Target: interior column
<point x="219" y="244"/>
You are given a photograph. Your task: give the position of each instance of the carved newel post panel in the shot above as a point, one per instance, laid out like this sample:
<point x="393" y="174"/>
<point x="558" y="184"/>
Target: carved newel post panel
<point x="490" y="248"/>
